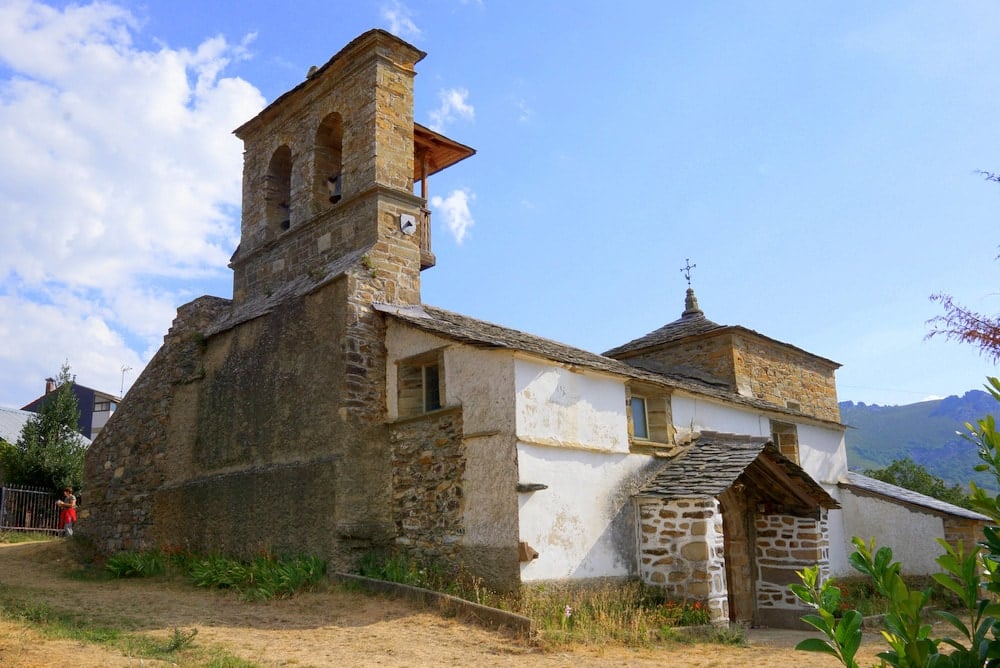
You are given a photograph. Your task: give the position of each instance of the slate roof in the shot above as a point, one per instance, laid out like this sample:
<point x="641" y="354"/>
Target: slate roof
<point x="715" y="460"/>
<point x="488" y="335"/>
<point x="301" y="285"/>
<point x="707" y="469"/>
<point x="693" y="323"/>
<point x="864" y="483"/>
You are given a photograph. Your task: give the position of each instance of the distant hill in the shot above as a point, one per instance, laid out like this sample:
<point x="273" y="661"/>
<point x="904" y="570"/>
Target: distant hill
<point x="925" y="432"/>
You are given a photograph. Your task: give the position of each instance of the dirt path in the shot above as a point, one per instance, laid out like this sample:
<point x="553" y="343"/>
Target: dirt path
<point x="331" y="628"/>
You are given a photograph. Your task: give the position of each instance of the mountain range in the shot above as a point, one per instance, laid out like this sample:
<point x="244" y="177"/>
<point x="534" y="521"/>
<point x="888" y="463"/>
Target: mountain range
<point x="928" y="432"/>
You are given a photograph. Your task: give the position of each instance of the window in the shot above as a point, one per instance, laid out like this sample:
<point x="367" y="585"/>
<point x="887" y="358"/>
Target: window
<point x="103" y="406"/>
<point x="419" y="385"/>
<point x="786" y="436"/>
<point x="649" y="414"/>
<point x="639" y="421"/>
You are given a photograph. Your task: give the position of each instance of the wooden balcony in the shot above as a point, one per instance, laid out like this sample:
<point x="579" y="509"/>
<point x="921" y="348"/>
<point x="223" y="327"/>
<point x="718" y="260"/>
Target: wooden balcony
<point x="427" y="258"/>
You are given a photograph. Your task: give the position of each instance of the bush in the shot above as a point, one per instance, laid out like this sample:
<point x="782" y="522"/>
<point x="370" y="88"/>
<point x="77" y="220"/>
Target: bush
<point x="973" y="580"/>
<point x="262" y="578"/>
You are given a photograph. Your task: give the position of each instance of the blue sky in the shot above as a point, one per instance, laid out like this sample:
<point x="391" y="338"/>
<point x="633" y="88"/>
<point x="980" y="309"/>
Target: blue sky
<point x="816" y="161"/>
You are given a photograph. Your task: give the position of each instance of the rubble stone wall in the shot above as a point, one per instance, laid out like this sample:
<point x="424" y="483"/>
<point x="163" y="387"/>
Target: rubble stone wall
<point x="681" y="550"/>
<point x="786" y="544"/>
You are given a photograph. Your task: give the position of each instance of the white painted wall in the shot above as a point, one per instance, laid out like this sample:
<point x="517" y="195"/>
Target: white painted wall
<point x="559" y="407"/>
<point x="910" y="534"/>
<point x="822" y="452"/>
<point x="572" y="431"/>
<point x="698" y="414"/>
<point x="583" y="525"/>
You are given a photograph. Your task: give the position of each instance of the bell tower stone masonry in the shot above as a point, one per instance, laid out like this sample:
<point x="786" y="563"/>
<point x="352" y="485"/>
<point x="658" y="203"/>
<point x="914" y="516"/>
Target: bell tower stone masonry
<point x="261" y="421"/>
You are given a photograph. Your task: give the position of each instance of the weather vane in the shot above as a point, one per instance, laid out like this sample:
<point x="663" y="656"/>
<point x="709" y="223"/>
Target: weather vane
<point x="686" y="269"/>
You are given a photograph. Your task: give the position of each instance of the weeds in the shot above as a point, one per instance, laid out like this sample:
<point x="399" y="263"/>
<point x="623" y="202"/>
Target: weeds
<point x="627" y="613"/>
<point x="136" y="564"/>
<point x="261" y="579"/>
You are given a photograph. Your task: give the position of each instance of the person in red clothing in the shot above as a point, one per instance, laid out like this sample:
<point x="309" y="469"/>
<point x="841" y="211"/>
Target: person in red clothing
<point x="67" y="511"/>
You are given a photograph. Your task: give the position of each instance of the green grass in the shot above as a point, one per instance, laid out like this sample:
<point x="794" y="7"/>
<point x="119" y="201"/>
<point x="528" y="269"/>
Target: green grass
<point x="627" y="613"/>
<point x="25" y="536"/>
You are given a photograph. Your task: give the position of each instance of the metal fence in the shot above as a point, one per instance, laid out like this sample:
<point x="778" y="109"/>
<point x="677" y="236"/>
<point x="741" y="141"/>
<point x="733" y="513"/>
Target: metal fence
<point x="28" y="509"/>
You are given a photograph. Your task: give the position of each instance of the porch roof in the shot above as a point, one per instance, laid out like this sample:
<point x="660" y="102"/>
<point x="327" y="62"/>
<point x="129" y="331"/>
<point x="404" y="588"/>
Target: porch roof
<point x="715" y="461"/>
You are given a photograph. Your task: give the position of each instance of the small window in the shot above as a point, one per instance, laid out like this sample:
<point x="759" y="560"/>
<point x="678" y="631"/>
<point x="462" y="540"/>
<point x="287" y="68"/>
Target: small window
<point x="649" y="414"/>
<point x="786" y="436"/>
<point x="639" y="420"/>
<point x="103" y="406"/>
<point x="419" y="385"/>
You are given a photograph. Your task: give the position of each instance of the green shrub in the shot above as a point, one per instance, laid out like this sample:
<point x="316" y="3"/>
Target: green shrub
<point x="262" y="578"/>
<point x="136" y="564"/>
<point x="971" y="580"/>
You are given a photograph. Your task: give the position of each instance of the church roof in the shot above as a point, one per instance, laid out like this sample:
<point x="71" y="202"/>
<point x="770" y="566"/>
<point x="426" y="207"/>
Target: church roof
<point x="715" y="461"/>
<point x="693" y="323"/>
<point x="486" y="334"/>
<point x="480" y="333"/>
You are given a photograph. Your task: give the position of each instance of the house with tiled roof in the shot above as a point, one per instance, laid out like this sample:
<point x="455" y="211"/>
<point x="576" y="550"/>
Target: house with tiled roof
<point x="325" y="409"/>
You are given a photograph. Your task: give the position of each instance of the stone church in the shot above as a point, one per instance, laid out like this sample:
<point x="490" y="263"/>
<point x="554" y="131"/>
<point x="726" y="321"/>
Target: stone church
<point x="326" y="410"/>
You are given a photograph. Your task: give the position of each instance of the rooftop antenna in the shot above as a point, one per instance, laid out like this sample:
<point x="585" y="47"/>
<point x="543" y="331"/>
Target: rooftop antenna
<point x="125" y="368"/>
<point x="686" y="269"/>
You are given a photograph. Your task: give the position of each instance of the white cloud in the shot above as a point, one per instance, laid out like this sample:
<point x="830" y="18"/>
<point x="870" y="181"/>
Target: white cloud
<point x="455" y="209"/>
<point x="119" y="183"/>
<point x="453" y="106"/>
<point x="400" y="23"/>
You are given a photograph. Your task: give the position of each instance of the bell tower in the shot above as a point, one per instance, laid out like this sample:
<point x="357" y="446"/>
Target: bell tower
<point x="328" y="179"/>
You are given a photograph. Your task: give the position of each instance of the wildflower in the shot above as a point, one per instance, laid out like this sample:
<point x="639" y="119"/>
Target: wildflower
<point x="568" y="612"/>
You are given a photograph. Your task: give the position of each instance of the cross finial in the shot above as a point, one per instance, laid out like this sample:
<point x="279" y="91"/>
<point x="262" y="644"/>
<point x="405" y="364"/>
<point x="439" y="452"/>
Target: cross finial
<point x="686" y="269"/>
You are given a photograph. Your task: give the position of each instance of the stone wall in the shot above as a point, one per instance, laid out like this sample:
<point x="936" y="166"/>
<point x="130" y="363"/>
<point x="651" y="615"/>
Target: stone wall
<point x="755" y="366"/>
<point x="681" y="550"/>
<point x="250" y="440"/>
<point x="130" y="458"/>
<point x="428" y="465"/>
<point x="785" y="376"/>
<point x="786" y="544"/>
<point x="967" y="531"/>
<point x="370" y="85"/>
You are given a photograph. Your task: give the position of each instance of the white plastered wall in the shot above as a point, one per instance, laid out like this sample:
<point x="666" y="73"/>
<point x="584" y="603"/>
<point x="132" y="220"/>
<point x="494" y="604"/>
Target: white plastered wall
<point x="572" y="436"/>
<point x="911" y="534"/>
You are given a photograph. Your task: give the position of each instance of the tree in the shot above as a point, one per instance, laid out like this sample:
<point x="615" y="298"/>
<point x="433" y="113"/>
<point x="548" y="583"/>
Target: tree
<point x="972" y="577"/>
<point x="965" y="326"/>
<point x="49" y="452"/>
<point x="910" y="475"/>
<point x="960" y="324"/>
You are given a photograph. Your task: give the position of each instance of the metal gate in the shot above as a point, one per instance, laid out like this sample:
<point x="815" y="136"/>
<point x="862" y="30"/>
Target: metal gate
<point x="28" y="509"/>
